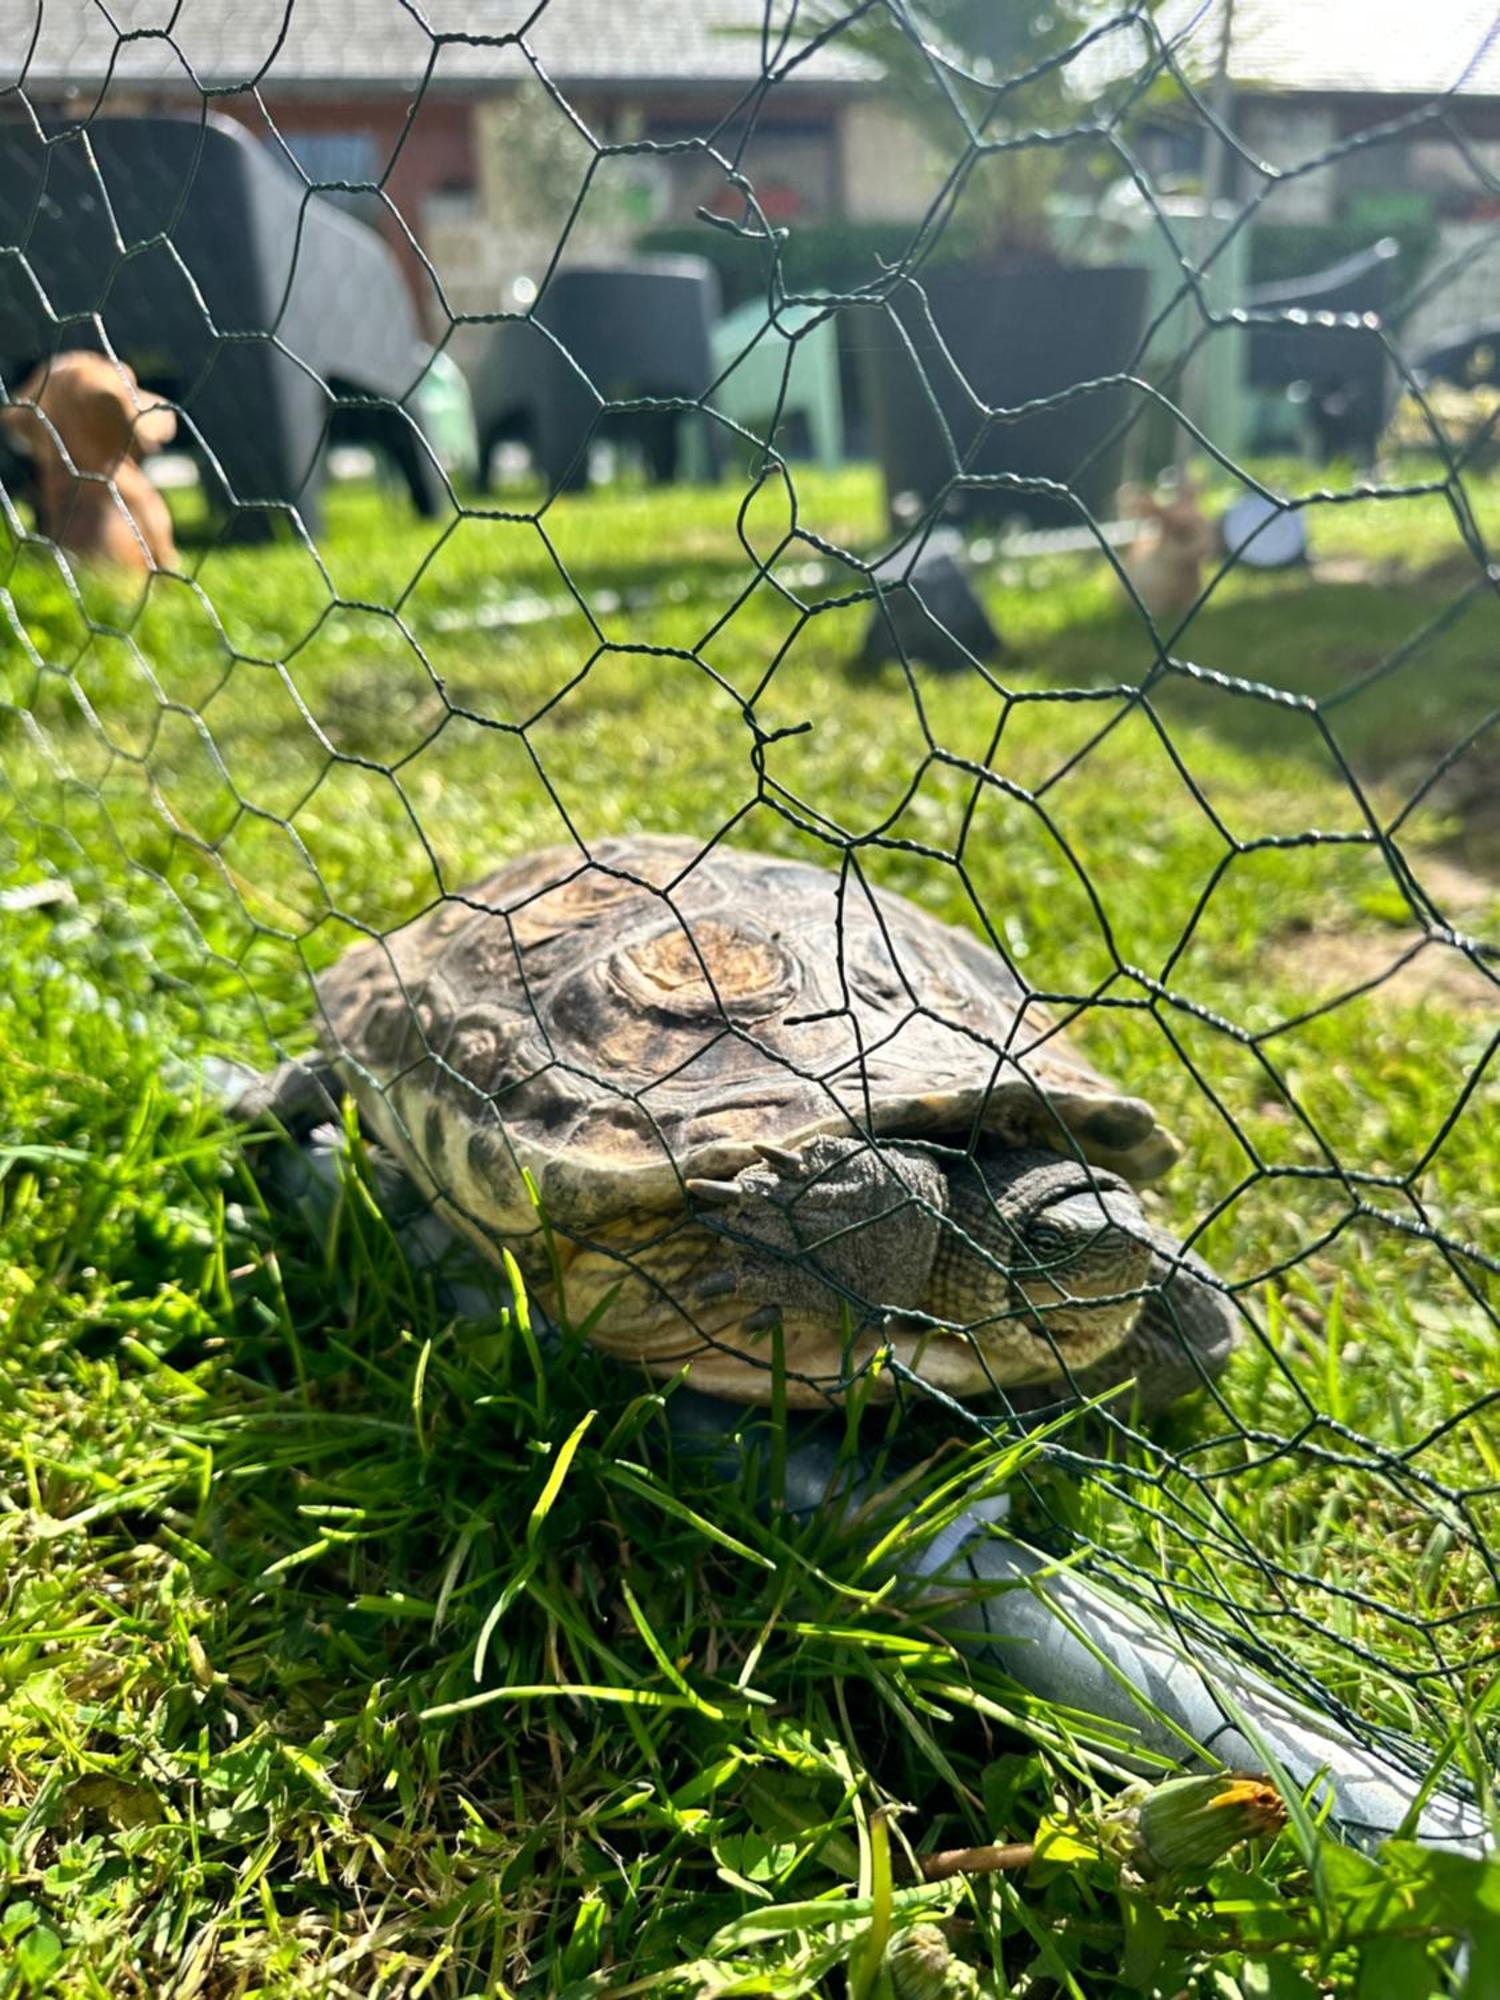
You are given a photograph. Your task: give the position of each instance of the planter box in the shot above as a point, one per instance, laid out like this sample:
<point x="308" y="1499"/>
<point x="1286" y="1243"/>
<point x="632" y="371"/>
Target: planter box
<point x="1011" y="332"/>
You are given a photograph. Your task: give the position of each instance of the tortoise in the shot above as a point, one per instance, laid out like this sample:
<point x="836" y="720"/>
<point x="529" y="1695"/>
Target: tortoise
<point x="752" y="1115"/>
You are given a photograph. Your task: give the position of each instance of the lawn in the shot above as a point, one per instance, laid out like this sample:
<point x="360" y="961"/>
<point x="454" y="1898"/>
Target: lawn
<point x="270" y="1520"/>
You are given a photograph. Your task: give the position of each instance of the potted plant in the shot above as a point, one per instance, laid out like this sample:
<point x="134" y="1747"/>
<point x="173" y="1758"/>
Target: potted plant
<point x="986" y="315"/>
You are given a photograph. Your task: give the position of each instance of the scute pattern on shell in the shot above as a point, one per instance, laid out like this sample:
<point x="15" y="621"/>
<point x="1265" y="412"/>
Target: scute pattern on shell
<point x="618" y="1023"/>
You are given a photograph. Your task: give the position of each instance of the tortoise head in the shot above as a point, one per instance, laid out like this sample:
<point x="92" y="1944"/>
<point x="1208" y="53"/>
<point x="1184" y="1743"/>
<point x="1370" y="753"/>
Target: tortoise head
<point x="1046" y="1242"/>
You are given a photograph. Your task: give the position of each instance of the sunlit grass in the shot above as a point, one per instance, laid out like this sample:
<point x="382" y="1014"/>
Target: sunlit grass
<point x="262" y="1500"/>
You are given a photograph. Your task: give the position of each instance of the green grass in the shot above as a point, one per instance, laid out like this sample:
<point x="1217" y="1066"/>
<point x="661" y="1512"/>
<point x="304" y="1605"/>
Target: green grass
<point x="264" y="1509"/>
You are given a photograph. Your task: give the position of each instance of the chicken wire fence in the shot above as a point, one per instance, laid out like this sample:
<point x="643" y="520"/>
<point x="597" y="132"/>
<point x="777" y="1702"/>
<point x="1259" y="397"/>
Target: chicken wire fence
<point x="1221" y="819"/>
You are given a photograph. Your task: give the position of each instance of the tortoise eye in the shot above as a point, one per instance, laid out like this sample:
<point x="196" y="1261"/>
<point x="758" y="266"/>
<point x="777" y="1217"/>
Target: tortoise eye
<point x="1046" y="1242"/>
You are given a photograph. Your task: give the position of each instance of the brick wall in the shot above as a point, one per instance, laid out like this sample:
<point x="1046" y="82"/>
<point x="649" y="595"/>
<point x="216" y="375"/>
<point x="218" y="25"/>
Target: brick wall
<point x="423" y="155"/>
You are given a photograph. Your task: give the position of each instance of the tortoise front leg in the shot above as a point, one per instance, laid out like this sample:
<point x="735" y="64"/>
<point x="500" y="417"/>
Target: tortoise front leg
<point x="836" y="1224"/>
<point x="802" y="1255"/>
<point x="300" y="1094"/>
<point x="670" y="1294"/>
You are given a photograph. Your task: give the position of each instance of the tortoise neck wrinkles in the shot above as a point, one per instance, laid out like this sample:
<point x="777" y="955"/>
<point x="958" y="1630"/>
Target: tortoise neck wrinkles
<point x="1037" y="1230"/>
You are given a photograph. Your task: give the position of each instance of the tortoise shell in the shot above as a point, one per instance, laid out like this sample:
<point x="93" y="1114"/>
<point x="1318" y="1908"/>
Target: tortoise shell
<point x="613" y="1024"/>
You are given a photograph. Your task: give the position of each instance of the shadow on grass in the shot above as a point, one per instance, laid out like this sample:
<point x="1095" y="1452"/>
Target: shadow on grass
<point x="1390" y="683"/>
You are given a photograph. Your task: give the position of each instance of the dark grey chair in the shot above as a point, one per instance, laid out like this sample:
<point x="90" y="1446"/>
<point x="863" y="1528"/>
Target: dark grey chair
<point x="602" y="335"/>
<point x="1340" y="373"/>
<point x="275" y="321"/>
<point x="963" y="340"/>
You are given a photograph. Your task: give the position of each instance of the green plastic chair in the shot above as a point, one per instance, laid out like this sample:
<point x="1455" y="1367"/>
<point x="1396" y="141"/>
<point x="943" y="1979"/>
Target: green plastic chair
<point x="444" y="409"/>
<point x="750" y="354"/>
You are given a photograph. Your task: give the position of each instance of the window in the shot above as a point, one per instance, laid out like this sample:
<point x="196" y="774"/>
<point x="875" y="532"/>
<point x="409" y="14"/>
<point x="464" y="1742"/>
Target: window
<point x="341" y="156"/>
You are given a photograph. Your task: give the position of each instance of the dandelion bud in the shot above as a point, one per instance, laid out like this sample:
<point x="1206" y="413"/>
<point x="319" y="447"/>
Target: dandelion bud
<point x="1181" y="1828"/>
<point x="921" y="1967"/>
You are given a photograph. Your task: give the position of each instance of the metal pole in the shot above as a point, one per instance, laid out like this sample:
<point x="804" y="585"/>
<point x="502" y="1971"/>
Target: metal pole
<point x="1216" y="157"/>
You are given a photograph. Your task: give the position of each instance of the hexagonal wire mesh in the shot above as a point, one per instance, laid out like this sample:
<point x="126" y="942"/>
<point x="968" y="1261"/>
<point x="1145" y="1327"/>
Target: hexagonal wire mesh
<point x="1222" y="814"/>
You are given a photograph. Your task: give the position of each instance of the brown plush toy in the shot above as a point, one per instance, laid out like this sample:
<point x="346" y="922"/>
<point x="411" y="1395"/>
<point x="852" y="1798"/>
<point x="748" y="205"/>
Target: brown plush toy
<point x="85" y="422"/>
<point x="1165" y="561"/>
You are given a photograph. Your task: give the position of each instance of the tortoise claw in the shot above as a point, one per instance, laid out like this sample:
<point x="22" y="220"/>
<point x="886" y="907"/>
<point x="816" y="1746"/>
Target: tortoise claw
<point x="782" y="1157"/>
<point x="301" y="1095"/>
<point x="762" y="1320"/>
<point x="717" y="1194"/>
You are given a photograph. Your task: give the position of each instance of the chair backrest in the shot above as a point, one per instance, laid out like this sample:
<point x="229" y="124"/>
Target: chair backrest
<point x="261" y="297"/>
<point x="642" y="328"/>
<point x="1284" y="351"/>
<point x="753" y="380"/>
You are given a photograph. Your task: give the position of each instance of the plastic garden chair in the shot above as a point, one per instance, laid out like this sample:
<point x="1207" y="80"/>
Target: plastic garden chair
<point x="603" y="335"/>
<point x="757" y="388"/>
<point x="445" y="411"/>
<point x="1308" y="345"/>
<point x="276" y="323"/>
